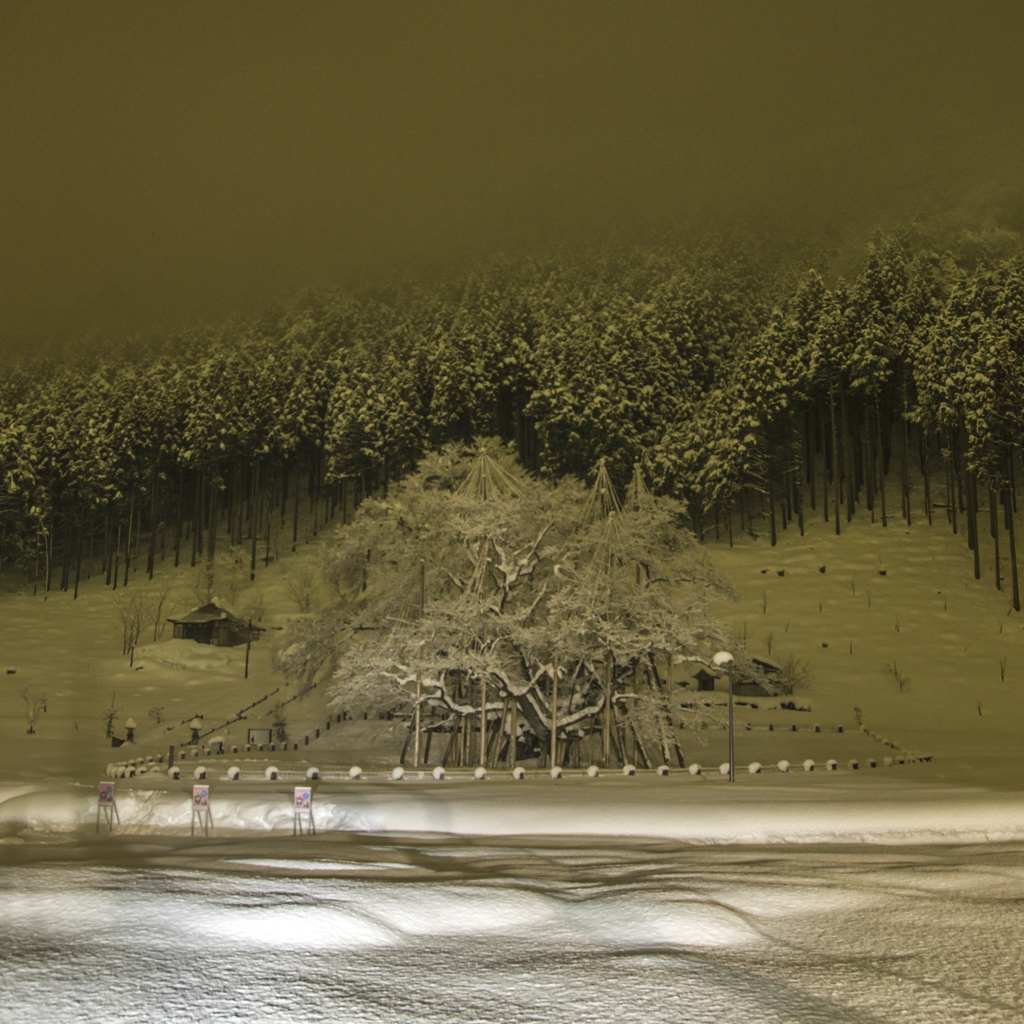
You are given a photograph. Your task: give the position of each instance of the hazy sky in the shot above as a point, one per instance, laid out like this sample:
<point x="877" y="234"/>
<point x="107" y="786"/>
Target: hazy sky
<point x="166" y="160"/>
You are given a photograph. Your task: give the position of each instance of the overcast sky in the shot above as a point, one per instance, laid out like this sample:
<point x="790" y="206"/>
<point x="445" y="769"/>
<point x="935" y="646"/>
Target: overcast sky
<point x="167" y="160"/>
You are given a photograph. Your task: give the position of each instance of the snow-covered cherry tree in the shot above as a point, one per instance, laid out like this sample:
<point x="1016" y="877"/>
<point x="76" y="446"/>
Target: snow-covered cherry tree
<point x="502" y="606"/>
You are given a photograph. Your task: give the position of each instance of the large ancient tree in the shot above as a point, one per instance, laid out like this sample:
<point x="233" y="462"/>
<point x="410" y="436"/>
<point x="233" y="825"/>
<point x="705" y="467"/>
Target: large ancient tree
<point x="499" y="606"/>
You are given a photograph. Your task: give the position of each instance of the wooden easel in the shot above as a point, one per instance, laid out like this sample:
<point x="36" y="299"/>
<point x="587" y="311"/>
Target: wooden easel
<point x="303" y="809"/>
<point x="106" y="807"/>
<point x="201" y="809"/>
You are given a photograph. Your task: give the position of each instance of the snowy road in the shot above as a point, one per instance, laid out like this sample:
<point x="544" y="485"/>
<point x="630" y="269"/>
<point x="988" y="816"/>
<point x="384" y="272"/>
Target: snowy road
<point x="453" y="929"/>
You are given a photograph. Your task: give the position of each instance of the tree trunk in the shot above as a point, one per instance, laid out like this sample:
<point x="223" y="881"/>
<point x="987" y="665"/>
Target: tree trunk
<point x="922" y="441"/>
<point x="151" y="559"/>
<point x="1013" y="564"/>
<point x="108" y="560"/>
<point x="993" y="516"/>
<point x="211" y="541"/>
<point x="905" y="467"/>
<point x="117" y="553"/>
<point x="197" y="521"/>
<point x="179" y="515"/>
<point x="835" y="453"/>
<point x="869" y="460"/>
<point x="131" y="517"/>
<point x="78" y="559"/>
<point x="972" y="512"/>
<point x="254" y="517"/>
<point x="295" y="518"/>
<point x="950" y="507"/>
<point x="798" y="499"/>
<point x="882" y="466"/>
<point x="848" y="456"/>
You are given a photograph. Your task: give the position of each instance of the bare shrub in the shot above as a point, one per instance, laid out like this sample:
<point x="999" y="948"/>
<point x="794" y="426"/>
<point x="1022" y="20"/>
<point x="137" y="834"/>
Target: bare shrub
<point x="202" y="583"/>
<point x="134" y="609"/>
<point x="302" y="585"/>
<point x="255" y="609"/>
<point x="34" y="704"/>
<point x="795" y="675"/>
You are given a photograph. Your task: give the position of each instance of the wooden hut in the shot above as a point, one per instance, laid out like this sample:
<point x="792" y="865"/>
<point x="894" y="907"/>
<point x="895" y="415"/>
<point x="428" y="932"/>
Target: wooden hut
<point x="214" y="623"/>
<point x="742" y="685"/>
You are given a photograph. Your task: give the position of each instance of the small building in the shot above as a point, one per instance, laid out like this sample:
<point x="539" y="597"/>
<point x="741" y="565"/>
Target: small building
<point x="742" y="685"/>
<point x="214" y="623"/>
<point x="705" y="680"/>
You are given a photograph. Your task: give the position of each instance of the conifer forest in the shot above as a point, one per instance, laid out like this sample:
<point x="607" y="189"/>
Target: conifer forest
<point x="723" y="366"/>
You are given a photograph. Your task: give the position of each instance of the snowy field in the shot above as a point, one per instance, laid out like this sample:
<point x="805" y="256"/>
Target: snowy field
<point x="860" y="895"/>
<point x="405" y="928"/>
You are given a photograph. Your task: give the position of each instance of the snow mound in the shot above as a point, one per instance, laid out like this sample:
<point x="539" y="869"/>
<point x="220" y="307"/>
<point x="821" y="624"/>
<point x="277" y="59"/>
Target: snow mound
<point x="185" y="654"/>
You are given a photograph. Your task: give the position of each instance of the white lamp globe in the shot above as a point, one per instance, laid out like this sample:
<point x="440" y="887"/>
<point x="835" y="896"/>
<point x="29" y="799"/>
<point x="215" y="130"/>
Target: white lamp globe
<point x="723" y="659"/>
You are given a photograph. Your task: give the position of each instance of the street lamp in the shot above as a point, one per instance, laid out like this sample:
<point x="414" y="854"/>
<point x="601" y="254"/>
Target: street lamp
<point x="723" y="659"/>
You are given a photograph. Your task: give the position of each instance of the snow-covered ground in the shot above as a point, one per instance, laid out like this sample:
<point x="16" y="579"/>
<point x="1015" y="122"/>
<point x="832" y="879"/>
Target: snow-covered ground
<point x="895" y="632"/>
<point x="841" y="896"/>
<point x="398" y="928"/>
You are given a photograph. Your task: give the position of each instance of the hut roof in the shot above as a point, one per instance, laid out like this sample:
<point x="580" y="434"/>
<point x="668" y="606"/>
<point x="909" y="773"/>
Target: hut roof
<point x="212" y="612"/>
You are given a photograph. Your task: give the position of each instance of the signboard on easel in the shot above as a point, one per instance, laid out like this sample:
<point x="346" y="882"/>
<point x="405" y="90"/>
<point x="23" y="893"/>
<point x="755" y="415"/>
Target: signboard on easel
<point x="106" y="807"/>
<point x="201" y="809"/>
<point x="303" y="810"/>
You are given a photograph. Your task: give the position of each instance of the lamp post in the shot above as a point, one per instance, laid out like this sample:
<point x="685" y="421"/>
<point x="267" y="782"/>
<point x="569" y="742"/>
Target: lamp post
<point x="723" y="659"/>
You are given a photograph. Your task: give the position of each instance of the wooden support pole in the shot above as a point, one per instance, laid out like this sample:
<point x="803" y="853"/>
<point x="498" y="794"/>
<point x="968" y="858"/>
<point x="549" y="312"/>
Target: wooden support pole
<point x="483" y="723"/>
<point x="606" y="725"/>
<point x="513" y="733"/>
<point x="554" y="713"/>
<point x="416" y="725"/>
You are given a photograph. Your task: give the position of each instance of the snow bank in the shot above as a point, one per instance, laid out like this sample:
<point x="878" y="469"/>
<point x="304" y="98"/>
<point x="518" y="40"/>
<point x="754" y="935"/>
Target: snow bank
<point x="632" y="806"/>
<point x="186" y="654"/>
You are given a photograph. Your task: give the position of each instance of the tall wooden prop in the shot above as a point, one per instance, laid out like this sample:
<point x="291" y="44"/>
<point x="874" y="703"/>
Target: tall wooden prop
<point x="606" y="725"/>
<point x="554" y="712"/>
